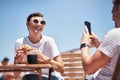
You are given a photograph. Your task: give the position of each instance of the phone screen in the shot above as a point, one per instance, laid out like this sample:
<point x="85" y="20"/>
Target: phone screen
<point x="88" y="24"/>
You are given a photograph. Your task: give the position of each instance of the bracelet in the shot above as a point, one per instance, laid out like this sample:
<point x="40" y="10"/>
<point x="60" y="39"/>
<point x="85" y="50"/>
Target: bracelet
<point x="84" y="45"/>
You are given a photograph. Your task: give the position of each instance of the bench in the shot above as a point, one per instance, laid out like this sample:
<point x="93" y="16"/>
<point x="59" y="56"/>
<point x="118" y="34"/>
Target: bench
<point x="73" y="66"/>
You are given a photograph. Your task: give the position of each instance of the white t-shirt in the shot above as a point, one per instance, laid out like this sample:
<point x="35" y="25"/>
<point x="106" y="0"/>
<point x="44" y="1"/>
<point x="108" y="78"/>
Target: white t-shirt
<point x="110" y="46"/>
<point x="46" y="45"/>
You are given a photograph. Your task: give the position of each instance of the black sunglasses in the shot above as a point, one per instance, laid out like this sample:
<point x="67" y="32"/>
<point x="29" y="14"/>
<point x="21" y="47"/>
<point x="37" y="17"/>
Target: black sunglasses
<point x="41" y="22"/>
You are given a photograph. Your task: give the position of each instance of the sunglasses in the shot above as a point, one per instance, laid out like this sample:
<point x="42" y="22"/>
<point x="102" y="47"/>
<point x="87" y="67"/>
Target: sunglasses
<point x="37" y="21"/>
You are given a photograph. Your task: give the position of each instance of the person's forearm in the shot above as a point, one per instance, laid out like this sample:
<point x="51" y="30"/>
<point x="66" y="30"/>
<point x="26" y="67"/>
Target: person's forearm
<point x="85" y="54"/>
<point x="60" y="65"/>
<point x="86" y="59"/>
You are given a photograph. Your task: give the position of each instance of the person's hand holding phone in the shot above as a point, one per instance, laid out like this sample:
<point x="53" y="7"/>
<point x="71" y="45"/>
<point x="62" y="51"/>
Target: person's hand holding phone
<point x="85" y="36"/>
<point x="85" y="41"/>
<point x="89" y="37"/>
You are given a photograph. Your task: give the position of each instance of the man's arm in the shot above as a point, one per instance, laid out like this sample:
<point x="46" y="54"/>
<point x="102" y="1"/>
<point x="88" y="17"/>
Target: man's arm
<point x="93" y="63"/>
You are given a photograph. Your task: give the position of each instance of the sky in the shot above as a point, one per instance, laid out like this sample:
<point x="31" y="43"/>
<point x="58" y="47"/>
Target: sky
<point x="64" y="18"/>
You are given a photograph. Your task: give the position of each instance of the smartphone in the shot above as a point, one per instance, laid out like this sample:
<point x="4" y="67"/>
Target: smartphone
<point x="88" y="24"/>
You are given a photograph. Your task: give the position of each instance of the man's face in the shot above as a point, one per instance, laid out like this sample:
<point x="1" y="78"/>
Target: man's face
<point x="5" y="62"/>
<point x="113" y="1"/>
<point x="116" y="16"/>
<point x="36" y="25"/>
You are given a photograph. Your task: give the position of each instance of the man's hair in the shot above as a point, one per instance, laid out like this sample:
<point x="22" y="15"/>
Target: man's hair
<point x="5" y="59"/>
<point x="33" y="15"/>
<point x="116" y="3"/>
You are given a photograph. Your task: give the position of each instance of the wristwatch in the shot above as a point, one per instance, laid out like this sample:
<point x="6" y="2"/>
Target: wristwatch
<point x="84" y="45"/>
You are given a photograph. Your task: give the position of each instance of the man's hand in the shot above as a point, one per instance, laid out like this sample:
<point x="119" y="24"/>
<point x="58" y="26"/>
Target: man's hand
<point x="94" y="41"/>
<point x="21" y="54"/>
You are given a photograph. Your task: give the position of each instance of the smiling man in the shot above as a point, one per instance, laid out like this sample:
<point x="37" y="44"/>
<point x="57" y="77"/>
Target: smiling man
<point x="43" y="46"/>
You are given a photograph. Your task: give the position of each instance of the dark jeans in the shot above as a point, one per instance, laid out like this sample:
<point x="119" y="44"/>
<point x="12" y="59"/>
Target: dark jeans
<point x="36" y="77"/>
<point x="1" y="78"/>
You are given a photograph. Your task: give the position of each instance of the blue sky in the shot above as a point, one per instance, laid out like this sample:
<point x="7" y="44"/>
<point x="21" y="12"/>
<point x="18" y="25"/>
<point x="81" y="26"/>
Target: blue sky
<point x="64" y="19"/>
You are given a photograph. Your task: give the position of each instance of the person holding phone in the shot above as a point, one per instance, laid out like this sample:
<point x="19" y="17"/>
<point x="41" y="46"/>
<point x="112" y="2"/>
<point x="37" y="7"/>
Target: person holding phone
<point x="107" y="51"/>
<point x="43" y="46"/>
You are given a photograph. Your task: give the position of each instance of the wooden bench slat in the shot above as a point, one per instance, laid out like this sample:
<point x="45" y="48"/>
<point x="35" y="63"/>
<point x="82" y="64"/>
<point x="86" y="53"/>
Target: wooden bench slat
<point x="73" y="66"/>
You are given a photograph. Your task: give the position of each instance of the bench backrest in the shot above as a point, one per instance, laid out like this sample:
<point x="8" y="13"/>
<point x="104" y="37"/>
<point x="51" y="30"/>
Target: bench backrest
<point x="73" y="66"/>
